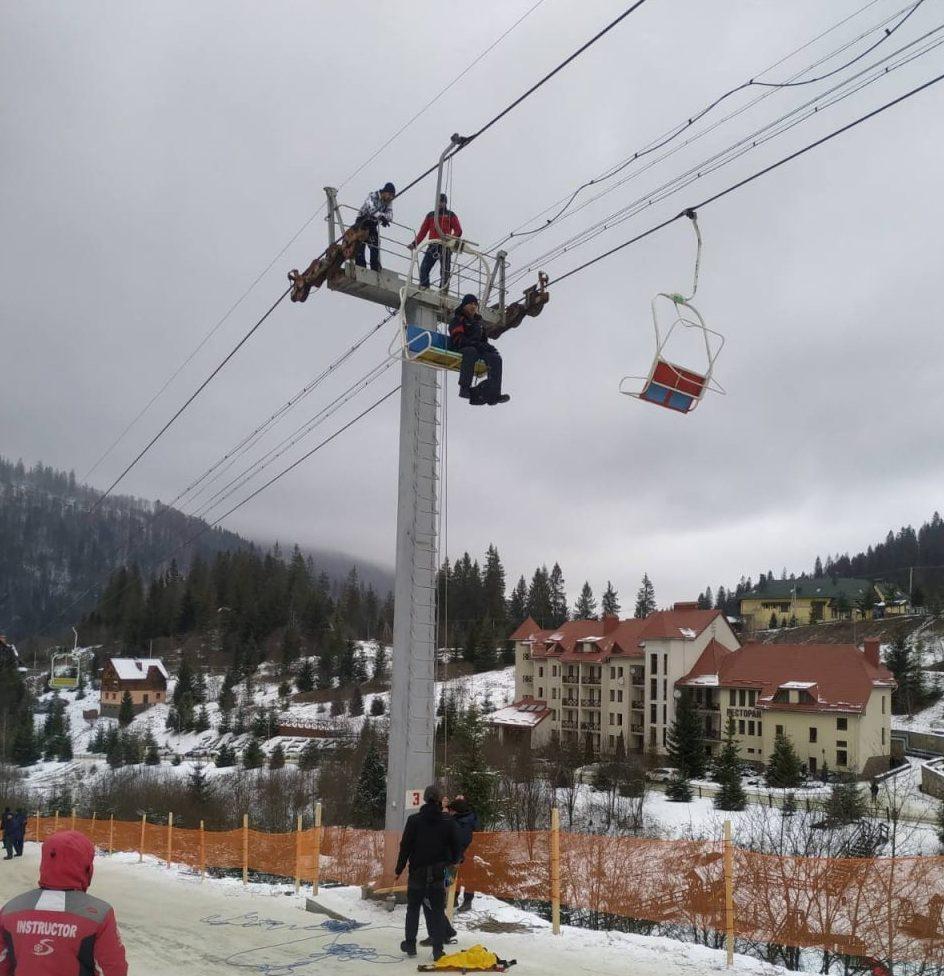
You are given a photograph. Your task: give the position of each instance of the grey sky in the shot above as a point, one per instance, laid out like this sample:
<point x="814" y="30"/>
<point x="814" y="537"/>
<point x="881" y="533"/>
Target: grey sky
<point x="154" y="157"/>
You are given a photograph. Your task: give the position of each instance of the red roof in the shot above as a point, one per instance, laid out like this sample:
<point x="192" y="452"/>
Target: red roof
<point x="837" y="676"/>
<point x="708" y="664"/>
<point x="627" y="637"/>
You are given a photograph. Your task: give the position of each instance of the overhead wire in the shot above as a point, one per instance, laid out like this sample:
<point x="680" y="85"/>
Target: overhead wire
<point x="740" y="147"/>
<point x="749" y="179"/>
<point x="307" y="223"/>
<point x="562" y="205"/>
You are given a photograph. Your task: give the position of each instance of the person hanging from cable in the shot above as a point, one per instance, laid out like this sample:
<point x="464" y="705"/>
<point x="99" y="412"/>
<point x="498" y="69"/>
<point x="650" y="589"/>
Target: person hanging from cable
<point x="438" y="224"/>
<point x="376" y="210"/>
<point x="467" y="337"/>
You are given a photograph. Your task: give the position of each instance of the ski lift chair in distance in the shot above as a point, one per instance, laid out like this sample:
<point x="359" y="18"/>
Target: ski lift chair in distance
<point x="668" y="384"/>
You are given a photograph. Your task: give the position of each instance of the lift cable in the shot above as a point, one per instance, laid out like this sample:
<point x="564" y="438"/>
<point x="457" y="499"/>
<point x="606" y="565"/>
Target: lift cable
<point x="226" y="315"/>
<point x="562" y="206"/>
<point x="468" y="140"/>
<point x="765" y="133"/>
<point x="749" y="179"/>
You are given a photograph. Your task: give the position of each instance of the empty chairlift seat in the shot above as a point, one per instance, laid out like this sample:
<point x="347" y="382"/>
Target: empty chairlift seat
<point x="432" y="348"/>
<point x="674" y="387"/>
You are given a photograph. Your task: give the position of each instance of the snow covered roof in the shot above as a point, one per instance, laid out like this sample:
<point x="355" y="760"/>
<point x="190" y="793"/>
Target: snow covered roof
<point x="798" y="684"/>
<point x="525" y="714"/>
<point x="136" y="668"/>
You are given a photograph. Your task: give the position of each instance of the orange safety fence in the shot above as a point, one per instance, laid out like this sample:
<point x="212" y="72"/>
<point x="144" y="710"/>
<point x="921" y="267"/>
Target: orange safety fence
<point x="885" y="908"/>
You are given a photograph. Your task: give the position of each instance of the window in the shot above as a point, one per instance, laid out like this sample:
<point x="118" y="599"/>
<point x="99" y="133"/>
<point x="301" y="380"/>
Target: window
<point x="841" y="743"/>
<point x="612" y="673"/>
<point x="740" y="726"/>
<point x="541" y="672"/>
<point x="663" y="737"/>
<point x="778" y="729"/>
<point x="554" y="671"/>
<point x="752" y="698"/>
<point x="654" y="663"/>
<point x="540" y="692"/>
<point x="619" y="718"/>
<point x="652" y="737"/>
<point x="841" y="757"/>
<point x="665" y="663"/>
<point x="619" y="672"/>
<point x="760" y="730"/>
<point x="612" y="722"/>
<point x="653" y="717"/>
<point x="554" y="692"/>
<point x="147" y="698"/>
<point x="665" y="689"/>
<point x="883" y="735"/>
<point x="883" y="704"/>
<point x="842" y="724"/>
<point x="612" y="741"/>
<point x="653" y="688"/>
<point x="750" y="752"/>
<point x="812" y="733"/>
<point x="665" y="717"/>
<point x="732" y="698"/>
<point x="742" y="698"/>
<point x="619" y="695"/>
<point x="612" y="695"/>
<point x="750" y="728"/>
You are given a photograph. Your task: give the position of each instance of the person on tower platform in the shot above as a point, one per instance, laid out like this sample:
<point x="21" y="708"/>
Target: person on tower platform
<point x="57" y="929"/>
<point x="443" y="219"/>
<point x="467" y="337"/>
<point x="377" y="209"/>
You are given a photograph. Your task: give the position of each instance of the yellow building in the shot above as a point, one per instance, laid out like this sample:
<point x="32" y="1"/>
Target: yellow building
<point x="833" y="701"/>
<point x="806" y="600"/>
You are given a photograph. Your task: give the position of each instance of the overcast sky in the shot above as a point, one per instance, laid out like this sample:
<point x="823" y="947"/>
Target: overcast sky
<point x="155" y="157"/>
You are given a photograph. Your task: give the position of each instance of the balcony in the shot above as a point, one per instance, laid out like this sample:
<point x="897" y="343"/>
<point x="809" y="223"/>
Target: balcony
<point x="590" y="680"/>
<point x="569" y="703"/>
<point x="637" y="703"/>
<point x="569" y="725"/>
<point x="637" y="729"/>
<point x="528" y="679"/>
<point x="707" y="707"/>
<point x="590" y="727"/>
<point x="637" y="677"/>
<point x="590" y="702"/>
<point x="570" y="679"/>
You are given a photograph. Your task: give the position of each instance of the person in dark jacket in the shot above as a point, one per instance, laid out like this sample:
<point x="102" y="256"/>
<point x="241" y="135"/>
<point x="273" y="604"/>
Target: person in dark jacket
<point x="468" y="822"/>
<point x="377" y="209"/>
<point x="57" y="929"/>
<point x="430" y="845"/>
<point x="9" y="832"/>
<point x="19" y="832"/>
<point x="443" y="219"/>
<point x="467" y="336"/>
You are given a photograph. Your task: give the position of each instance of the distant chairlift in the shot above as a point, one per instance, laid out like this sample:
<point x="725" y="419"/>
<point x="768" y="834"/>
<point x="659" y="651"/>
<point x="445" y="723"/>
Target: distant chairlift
<point x="668" y="384"/>
<point x="429" y="347"/>
<point x="64" y="670"/>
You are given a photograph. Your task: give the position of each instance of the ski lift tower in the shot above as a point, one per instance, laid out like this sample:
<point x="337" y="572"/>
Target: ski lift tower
<point x="412" y="713"/>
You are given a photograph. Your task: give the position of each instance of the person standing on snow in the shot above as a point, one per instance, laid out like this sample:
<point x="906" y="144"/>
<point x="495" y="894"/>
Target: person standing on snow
<point x="9" y="832"/>
<point x="57" y="929"/>
<point x="467" y="821"/>
<point x="19" y="832"/>
<point x="467" y="336"/>
<point x="376" y="210"/>
<point x="430" y="844"/>
<point x="444" y="220"/>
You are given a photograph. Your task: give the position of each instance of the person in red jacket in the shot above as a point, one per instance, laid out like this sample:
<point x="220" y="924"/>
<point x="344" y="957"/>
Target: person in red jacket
<point x="58" y="929"/>
<point x="449" y="225"/>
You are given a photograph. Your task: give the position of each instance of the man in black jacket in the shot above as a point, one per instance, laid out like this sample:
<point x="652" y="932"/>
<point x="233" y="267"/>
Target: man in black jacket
<point x="430" y="844"/>
<point x="467" y="336"/>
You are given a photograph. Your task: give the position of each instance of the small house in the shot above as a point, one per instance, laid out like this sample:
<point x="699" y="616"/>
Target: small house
<point x="145" y="679"/>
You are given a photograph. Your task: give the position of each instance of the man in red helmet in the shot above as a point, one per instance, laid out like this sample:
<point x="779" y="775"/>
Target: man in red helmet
<point x="58" y="929"/>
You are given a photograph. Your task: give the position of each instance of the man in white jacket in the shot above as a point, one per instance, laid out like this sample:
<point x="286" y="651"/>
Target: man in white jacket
<point x="376" y="210"/>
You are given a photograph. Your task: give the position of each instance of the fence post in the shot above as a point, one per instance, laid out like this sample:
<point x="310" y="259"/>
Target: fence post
<point x="93" y="826"/>
<point x="111" y="835"/>
<point x="203" y="852"/>
<point x="56" y="822"/>
<point x="141" y="845"/>
<point x="37" y="826"/>
<point x="316" y="869"/>
<point x="245" y="848"/>
<point x="729" y="893"/>
<point x="555" y="870"/>
<point x="72" y="826"/>
<point x="298" y="854"/>
<point x="170" y="836"/>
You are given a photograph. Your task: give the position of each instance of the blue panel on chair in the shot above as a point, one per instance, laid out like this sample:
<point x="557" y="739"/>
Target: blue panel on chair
<point x="418" y="340"/>
<point x="665" y="397"/>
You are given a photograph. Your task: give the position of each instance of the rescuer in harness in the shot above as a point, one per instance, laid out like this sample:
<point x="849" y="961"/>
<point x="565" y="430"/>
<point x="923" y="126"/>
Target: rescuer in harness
<point x="450" y="226"/>
<point x="57" y="929"/>
<point x="467" y="337"/>
<point x="376" y="210"/>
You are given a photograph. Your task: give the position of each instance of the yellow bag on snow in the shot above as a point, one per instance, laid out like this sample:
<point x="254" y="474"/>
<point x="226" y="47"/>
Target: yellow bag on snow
<point x="478" y="957"/>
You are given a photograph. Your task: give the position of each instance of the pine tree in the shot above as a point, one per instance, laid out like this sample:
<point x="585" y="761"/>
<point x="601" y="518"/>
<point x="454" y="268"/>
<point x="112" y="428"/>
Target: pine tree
<point x="253" y="756"/>
<point x="586" y="607"/>
<point x="539" y="606"/>
<point x="911" y="695"/>
<point x="558" y="593"/>
<point x="609" y="604"/>
<point x="305" y="676"/>
<point x="308" y="757"/>
<point x="226" y="756"/>
<point x="198" y="786"/>
<point x="126" y="711"/>
<point x="471" y="646"/>
<point x="487" y="657"/>
<point x="355" y="706"/>
<point x="291" y="648"/>
<point x="370" y="793"/>
<point x="727" y="772"/>
<point x="381" y="669"/>
<point x="686" y="738"/>
<point x="201" y="722"/>
<point x="645" y="598"/>
<point x="337" y="708"/>
<point x="25" y="750"/>
<point x="493" y="589"/>
<point x="846" y="803"/>
<point x="227" y="700"/>
<point x="518" y="604"/>
<point x="277" y="757"/>
<point x="784" y="769"/>
<point x="679" y="789"/>
<point x="772" y="623"/>
<point x="151" y="756"/>
<point x="115" y="754"/>
<point x="474" y="779"/>
<point x="377" y="706"/>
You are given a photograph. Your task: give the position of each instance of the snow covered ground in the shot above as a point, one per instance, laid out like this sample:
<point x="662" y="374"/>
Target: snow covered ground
<point x="173" y="923"/>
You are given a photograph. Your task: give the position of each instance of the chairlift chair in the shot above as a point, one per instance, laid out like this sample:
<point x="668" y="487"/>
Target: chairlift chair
<point x="668" y="384"/>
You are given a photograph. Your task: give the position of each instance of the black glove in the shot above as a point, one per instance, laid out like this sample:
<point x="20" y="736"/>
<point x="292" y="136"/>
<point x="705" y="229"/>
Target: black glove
<point x="384" y="222"/>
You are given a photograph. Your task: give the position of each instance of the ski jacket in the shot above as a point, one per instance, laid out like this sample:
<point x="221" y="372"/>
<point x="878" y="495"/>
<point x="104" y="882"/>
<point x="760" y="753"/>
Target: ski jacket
<point x="9" y="825"/>
<point x="464" y="329"/>
<point x="58" y="929"/>
<point x="447" y="220"/>
<point x="19" y="826"/>
<point x="374" y="209"/>
<point x="467" y="824"/>
<point x="430" y="842"/>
